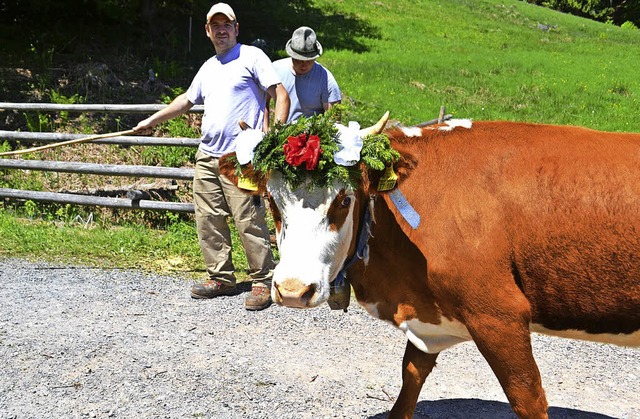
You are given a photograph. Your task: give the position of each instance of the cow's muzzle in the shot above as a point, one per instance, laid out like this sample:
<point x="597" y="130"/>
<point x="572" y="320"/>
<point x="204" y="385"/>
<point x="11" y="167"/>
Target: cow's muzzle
<point x="293" y="293"/>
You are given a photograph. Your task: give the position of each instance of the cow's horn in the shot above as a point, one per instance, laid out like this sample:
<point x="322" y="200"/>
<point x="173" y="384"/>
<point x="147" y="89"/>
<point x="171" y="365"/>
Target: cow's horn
<point x="243" y="125"/>
<point x="377" y="128"/>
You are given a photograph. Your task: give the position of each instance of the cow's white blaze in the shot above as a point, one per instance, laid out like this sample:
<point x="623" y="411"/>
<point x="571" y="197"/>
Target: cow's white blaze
<point x="311" y="250"/>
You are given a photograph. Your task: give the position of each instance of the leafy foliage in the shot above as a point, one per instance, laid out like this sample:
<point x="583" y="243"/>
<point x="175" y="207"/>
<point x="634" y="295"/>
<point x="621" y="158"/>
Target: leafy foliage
<point x="615" y="11"/>
<point x="269" y="154"/>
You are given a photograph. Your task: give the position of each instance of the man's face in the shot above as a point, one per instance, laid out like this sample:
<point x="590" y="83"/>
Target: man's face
<point x="302" y="67"/>
<point x="222" y="32"/>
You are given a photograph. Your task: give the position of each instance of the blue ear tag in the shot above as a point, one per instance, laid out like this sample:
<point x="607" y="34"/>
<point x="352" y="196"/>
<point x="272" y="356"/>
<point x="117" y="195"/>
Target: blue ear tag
<point x="405" y="208"/>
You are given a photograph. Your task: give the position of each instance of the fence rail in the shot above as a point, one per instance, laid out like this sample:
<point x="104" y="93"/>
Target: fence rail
<point x="99" y="169"/>
<point x="87" y="200"/>
<point x="133" y="200"/>
<point x="55" y="137"/>
<point x="105" y="108"/>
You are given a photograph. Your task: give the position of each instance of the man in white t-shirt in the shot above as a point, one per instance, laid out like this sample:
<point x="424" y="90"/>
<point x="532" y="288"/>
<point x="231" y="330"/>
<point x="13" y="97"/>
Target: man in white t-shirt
<point x="312" y="88"/>
<point x="233" y="85"/>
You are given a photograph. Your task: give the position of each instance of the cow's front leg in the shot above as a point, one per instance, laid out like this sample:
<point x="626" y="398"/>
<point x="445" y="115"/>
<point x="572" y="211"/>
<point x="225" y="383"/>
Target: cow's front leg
<point x="505" y="342"/>
<point x="416" y="366"/>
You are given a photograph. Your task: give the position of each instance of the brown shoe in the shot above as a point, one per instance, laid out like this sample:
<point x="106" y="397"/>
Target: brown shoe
<point x="259" y="299"/>
<point x="212" y="289"/>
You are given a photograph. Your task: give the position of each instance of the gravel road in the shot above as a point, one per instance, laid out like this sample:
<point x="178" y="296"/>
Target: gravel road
<point x="82" y="342"/>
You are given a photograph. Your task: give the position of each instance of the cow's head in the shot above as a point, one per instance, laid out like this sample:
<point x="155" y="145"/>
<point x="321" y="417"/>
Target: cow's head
<point x="318" y="208"/>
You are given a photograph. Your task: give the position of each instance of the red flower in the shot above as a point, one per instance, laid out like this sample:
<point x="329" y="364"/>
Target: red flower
<point x="302" y="149"/>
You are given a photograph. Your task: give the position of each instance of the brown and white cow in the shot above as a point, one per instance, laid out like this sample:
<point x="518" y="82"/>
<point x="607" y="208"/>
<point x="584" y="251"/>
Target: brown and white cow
<point x="516" y="228"/>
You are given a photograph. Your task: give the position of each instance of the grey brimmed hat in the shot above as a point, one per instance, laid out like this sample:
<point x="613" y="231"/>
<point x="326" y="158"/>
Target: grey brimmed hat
<point x="303" y="45"/>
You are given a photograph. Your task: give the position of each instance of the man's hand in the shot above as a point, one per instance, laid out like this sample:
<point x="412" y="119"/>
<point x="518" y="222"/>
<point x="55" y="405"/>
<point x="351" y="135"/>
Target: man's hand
<point x="144" y="127"/>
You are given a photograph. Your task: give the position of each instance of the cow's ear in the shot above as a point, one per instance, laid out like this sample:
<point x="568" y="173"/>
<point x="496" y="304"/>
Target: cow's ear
<point x="404" y="166"/>
<point x="249" y="180"/>
<point x="387" y="180"/>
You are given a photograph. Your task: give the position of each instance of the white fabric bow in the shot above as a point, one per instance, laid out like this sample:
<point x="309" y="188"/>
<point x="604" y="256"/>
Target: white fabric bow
<point x="246" y="141"/>
<point x="349" y="144"/>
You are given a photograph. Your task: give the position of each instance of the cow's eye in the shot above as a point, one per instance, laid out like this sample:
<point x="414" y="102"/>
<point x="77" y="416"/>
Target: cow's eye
<point x="346" y="202"/>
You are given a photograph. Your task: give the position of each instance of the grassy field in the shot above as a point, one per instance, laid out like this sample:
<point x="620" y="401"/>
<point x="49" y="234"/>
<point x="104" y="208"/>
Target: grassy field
<point x="481" y="59"/>
<point x="128" y="247"/>
<point x="486" y="60"/>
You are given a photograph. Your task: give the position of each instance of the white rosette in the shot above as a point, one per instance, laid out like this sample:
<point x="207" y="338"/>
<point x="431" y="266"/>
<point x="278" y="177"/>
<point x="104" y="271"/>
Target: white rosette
<point x="349" y="144"/>
<point x="246" y="141"/>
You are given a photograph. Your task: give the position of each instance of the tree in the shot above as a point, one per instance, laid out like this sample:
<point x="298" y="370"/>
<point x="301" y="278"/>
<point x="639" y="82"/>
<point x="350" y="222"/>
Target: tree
<point x="613" y="11"/>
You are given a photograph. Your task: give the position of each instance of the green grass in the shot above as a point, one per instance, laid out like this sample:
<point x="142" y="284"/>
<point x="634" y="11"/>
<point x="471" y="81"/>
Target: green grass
<point x="122" y="246"/>
<point x="482" y="59"/>
<point x="487" y="59"/>
<point x="128" y="247"/>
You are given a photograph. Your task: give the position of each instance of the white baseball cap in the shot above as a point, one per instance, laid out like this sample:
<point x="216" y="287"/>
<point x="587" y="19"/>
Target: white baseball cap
<point x="223" y="8"/>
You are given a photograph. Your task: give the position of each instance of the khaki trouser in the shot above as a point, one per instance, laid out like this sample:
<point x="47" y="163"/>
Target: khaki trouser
<point x="215" y="198"/>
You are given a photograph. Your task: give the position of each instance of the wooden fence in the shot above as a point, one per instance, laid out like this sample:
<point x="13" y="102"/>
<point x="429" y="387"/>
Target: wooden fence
<point x="135" y="199"/>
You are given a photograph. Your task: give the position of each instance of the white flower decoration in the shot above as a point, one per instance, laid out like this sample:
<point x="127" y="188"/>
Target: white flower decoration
<point x="349" y="144"/>
<point x="246" y="141"/>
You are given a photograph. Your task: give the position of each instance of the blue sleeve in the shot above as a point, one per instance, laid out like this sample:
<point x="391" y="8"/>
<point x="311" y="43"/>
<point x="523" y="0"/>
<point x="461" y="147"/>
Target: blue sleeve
<point x="334" y="91"/>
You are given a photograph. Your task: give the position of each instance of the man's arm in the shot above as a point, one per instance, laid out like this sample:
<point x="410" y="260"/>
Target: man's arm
<point x="267" y="115"/>
<point x="178" y="106"/>
<point x="279" y="93"/>
<point x="328" y="105"/>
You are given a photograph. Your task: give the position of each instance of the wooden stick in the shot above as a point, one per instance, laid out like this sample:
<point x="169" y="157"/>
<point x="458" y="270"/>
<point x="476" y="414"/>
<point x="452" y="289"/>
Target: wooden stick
<point x="63" y="143"/>
<point x="441" y="114"/>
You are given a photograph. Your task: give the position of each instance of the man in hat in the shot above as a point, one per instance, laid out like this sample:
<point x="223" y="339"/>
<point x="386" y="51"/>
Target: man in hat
<point x="233" y="85"/>
<point x="312" y="88"/>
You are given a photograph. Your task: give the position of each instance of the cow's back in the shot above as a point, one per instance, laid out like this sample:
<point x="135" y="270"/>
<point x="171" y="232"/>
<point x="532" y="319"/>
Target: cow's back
<point x="554" y="210"/>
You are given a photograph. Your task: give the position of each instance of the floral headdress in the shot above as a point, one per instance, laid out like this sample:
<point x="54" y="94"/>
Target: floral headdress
<point x="317" y="149"/>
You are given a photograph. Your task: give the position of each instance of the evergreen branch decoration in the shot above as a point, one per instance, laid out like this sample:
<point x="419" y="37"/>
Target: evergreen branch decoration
<point x="271" y="153"/>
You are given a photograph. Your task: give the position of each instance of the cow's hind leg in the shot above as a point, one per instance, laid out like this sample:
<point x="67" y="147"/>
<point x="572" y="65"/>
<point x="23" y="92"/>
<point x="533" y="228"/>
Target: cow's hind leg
<point x="505" y="342"/>
<point x="416" y="366"/>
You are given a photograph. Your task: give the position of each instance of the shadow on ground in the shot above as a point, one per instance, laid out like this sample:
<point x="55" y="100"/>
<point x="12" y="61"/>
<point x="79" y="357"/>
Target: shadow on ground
<point x="276" y="23"/>
<point x="485" y="409"/>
